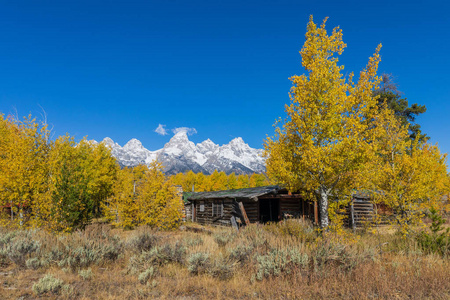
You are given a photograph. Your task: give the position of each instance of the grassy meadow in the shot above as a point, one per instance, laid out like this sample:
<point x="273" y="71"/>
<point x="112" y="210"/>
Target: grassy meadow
<point x="289" y="260"/>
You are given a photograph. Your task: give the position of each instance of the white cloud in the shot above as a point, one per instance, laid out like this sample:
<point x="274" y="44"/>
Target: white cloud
<point x="188" y="130"/>
<point x="161" y="129"/>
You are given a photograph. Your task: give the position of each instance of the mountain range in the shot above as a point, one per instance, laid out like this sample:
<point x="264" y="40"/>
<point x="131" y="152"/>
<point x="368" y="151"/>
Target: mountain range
<point x="182" y="155"/>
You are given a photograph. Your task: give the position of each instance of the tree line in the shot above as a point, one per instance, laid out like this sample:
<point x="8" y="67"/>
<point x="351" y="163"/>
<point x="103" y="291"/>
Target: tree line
<point x="218" y="181"/>
<point x="63" y="185"/>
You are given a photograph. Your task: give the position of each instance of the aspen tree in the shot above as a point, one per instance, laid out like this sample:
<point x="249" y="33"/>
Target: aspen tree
<point x="200" y="185"/>
<point x="122" y="207"/>
<point x="24" y="149"/>
<point x="257" y="180"/>
<point x="189" y="183"/>
<point x="243" y="182"/>
<point x="232" y="181"/>
<point x="159" y="203"/>
<point x="410" y="177"/>
<point x="81" y="178"/>
<point x="103" y="168"/>
<point x="326" y="135"/>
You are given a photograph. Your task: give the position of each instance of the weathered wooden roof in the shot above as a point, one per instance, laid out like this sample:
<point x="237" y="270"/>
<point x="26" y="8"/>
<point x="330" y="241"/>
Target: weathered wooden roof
<point x="248" y="193"/>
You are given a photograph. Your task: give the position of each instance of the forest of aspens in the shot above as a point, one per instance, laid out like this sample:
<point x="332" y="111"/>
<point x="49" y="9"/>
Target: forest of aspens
<point x="75" y="225"/>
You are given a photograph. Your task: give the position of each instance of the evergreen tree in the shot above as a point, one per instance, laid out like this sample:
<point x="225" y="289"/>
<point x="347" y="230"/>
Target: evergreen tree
<point x="388" y="93"/>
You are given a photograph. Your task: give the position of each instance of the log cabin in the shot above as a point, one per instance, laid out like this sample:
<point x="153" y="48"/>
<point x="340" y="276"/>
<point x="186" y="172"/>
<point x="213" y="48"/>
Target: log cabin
<point x="261" y="205"/>
<point x="266" y="204"/>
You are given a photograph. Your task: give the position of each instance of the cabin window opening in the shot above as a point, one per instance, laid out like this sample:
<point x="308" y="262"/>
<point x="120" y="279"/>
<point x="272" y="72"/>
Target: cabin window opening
<point x="202" y="206"/>
<point x="217" y="209"/>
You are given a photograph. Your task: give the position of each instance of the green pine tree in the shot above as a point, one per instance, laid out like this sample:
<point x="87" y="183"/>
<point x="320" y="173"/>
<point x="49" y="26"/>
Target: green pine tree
<point x="390" y="94"/>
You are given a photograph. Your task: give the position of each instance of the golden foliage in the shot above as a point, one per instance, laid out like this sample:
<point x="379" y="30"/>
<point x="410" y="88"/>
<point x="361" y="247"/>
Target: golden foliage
<point x="143" y="195"/>
<point x="24" y="150"/>
<point x="325" y="138"/>
<point x="55" y="184"/>
<point x="410" y="177"/>
<point x="82" y="176"/>
<point x="217" y="181"/>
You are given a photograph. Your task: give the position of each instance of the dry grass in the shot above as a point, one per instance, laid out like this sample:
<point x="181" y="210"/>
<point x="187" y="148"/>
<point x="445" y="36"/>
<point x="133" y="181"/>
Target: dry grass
<point x="332" y="270"/>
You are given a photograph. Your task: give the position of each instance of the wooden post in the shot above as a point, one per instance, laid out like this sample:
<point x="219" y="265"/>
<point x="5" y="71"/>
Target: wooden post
<point x="309" y="210"/>
<point x="234" y="223"/>
<point x="352" y="216"/>
<point x="303" y="209"/>
<point x="241" y="206"/>
<point x="316" y="213"/>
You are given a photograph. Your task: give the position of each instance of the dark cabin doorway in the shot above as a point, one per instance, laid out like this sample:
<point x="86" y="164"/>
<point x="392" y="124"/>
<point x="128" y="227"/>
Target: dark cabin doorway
<point x="269" y="210"/>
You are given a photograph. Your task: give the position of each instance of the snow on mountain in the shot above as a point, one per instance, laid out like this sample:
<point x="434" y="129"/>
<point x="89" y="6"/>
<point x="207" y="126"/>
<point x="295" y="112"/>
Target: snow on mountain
<point x="131" y="154"/>
<point x="182" y="155"/>
<point x="236" y="156"/>
<point x="207" y="147"/>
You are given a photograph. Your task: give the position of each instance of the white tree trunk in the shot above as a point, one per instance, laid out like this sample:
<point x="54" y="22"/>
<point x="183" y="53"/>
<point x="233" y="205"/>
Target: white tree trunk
<point x="323" y="208"/>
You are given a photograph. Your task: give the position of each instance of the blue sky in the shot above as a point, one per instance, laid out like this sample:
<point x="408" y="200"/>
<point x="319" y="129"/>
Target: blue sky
<point x="121" y="68"/>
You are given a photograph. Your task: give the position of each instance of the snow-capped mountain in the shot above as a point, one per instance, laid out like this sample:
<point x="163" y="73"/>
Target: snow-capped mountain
<point x="181" y="155"/>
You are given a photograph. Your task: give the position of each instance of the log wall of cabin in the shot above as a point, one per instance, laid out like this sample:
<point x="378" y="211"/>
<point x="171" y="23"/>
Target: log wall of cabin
<point x="294" y="206"/>
<point x="309" y="210"/>
<point x="205" y="217"/>
<point x="291" y="206"/>
<point x="252" y="209"/>
<point x="188" y="211"/>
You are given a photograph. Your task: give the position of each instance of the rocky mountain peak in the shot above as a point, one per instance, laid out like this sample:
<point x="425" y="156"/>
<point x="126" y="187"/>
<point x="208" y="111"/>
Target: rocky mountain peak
<point x="108" y="141"/>
<point x="181" y="134"/>
<point x="207" y="146"/>
<point x="238" y="143"/>
<point x="133" y="144"/>
<point x="182" y="155"/>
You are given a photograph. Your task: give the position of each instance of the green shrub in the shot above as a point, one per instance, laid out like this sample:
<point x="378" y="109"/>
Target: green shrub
<point x="298" y="228"/>
<point x="240" y="253"/>
<point x="342" y="256"/>
<point x="221" y="268"/>
<point x="20" y="247"/>
<point x="198" y="263"/>
<point x="3" y="259"/>
<point x="143" y="241"/>
<point x="5" y="238"/>
<point x="157" y="256"/>
<point x="438" y="241"/>
<point x="169" y="253"/>
<point x="193" y="241"/>
<point x="111" y="251"/>
<point x="82" y="250"/>
<point x="255" y="234"/>
<point x="147" y="274"/>
<point x="280" y="261"/>
<point x="85" y="274"/>
<point x="47" y="284"/>
<point x="33" y="263"/>
<point x="222" y="238"/>
<point x="54" y="255"/>
<point x="80" y="257"/>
